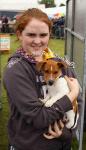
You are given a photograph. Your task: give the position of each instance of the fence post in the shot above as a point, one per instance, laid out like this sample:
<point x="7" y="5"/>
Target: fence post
<point x="83" y="96"/>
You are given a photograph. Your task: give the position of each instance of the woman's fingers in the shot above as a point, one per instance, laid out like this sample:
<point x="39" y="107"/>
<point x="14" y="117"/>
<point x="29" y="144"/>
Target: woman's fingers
<point x="74" y="88"/>
<point x="55" y="131"/>
<point x="58" y="127"/>
<point x="48" y="136"/>
<point x="73" y="83"/>
<point x="51" y="134"/>
<point x="61" y="124"/>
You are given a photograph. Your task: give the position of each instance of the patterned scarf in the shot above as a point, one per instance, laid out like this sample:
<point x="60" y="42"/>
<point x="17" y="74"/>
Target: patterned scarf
<point x="46" y="55"/>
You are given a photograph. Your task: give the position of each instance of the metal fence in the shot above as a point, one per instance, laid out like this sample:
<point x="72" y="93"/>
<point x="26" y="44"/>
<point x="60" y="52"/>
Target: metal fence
<point x="75" y="47"/>
<point x="0" y="80"/>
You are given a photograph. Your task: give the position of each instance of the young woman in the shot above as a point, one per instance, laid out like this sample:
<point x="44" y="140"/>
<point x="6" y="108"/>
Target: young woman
<point x="29" y="118"/>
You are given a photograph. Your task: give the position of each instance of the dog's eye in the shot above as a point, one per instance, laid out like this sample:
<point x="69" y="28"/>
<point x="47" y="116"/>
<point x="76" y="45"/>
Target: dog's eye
<point x="46" y="71"/>
<point x="56" y="72"/>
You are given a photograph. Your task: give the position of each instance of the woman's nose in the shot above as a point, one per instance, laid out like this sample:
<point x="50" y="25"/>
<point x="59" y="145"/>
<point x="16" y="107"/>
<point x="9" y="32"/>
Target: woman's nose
<point x="37" y="40"/>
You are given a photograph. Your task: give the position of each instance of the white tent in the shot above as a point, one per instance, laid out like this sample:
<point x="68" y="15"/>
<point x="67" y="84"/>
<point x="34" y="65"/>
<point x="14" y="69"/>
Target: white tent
<point x="23" y="4"/>
<point x="18" y="5"/>
<point x="54" y="10"/>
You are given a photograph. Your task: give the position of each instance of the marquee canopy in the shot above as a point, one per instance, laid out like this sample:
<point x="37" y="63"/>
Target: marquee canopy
<point x="55" y="11"/>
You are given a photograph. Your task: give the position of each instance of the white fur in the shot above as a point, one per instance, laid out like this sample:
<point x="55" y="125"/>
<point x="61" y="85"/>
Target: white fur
<point x="55" y="92"/>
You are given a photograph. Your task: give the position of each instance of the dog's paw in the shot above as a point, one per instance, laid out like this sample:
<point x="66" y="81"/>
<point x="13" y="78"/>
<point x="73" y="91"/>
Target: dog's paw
<point x="69" y="125"/>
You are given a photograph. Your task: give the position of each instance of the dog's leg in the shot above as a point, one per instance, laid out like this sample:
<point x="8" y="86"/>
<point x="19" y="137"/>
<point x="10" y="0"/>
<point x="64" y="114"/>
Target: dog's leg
<point x="71" y="119"/>
<point x="45" y="99"/>
<point x="52" y="100"/>
<point x="77" y="117"/>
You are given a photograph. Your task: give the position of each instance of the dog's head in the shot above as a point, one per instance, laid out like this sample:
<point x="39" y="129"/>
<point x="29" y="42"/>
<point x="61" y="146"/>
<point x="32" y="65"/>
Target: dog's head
<point x="51" y="70"/>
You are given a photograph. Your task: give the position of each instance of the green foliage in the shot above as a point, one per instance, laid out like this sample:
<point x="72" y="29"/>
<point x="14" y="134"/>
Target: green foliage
<point x="48" y="3"/>
<point x="62" y="4"/>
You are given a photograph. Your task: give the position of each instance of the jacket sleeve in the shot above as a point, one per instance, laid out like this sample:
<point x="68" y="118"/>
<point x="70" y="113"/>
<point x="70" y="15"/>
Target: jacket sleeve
<point x="20" y="86"/>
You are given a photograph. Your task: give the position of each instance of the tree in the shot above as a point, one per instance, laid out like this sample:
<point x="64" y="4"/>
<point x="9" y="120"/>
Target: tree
<point x="62" y="5"/>
<point x="48" y="3"/>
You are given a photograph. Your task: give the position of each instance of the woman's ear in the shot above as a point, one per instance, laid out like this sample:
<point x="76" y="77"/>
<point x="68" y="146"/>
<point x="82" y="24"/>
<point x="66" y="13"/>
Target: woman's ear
<point x="19" y="35"/>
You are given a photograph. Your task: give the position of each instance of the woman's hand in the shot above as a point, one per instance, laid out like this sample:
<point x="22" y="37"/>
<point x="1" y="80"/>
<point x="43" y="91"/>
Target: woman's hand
<point x="54" y="131"/>
<point x="74" y="88"/>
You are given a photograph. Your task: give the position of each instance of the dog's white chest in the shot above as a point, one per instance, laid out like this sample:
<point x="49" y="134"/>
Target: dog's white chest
<point x="60" y="86"/>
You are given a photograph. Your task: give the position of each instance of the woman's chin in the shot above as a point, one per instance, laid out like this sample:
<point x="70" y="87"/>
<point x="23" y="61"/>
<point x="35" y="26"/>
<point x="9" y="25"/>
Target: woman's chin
<point x="37" y="54"/>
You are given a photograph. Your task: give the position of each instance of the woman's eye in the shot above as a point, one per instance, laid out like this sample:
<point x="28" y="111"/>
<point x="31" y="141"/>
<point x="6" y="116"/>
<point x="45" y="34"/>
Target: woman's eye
<point x="31" y="34"/>
<point x="46" y="71"/>
<point x="43" y="34"/>
<point x="34" y="35"/>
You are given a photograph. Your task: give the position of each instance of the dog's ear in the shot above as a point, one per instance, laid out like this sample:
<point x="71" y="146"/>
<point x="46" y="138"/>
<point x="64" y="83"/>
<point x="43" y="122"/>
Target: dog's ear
<point x="40" y="65"/>
<point x="62" y="64"/>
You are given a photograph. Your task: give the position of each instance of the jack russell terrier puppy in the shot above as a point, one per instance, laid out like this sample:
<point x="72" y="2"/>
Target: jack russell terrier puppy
<point x="57" y="87"/>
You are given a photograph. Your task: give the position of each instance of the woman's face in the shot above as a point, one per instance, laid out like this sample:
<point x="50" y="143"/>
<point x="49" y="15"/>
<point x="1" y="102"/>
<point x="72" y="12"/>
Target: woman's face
<point x="34" y="38"/>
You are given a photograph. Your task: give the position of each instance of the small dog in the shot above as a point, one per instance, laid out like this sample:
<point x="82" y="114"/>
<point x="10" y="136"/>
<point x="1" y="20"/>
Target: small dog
<point x="57" y="87"/>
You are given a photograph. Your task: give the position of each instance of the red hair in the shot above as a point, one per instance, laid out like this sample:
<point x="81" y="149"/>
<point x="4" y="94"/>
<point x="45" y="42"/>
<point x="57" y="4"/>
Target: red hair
<point x="27" y="16"/>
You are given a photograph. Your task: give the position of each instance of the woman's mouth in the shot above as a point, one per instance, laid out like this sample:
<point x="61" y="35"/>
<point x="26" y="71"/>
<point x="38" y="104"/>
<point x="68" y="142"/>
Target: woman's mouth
<point x="36" y="52"/>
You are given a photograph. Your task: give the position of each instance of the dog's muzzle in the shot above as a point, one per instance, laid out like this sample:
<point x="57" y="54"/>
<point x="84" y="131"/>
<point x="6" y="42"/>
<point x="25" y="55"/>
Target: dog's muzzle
<point x="50" y="82"/>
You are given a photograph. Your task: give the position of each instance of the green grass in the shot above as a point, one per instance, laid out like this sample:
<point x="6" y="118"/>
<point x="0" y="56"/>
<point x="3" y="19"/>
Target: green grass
<point x="58" y="47"/>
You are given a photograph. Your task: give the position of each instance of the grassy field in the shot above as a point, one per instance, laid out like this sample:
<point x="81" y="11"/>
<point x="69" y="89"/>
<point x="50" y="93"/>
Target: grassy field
<point x="58" y="47"/>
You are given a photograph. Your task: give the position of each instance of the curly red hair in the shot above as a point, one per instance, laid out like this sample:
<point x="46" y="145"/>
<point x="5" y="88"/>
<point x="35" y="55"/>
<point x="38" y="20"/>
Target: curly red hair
<point x="26" y="17"/>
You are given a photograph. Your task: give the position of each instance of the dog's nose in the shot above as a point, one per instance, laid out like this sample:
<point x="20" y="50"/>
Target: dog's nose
<point x="50" y="82"/>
